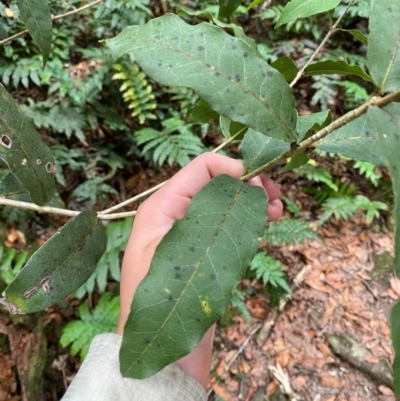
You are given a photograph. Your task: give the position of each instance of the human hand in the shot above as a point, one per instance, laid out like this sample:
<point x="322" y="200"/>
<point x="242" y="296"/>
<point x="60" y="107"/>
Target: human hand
<point x="156" y="216"/>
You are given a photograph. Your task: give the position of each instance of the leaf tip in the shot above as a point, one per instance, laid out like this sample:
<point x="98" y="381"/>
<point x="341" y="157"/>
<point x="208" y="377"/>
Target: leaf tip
<point x="12" y="308"/>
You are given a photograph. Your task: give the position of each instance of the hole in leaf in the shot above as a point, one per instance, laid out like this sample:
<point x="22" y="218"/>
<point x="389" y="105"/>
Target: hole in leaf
<point x="5" y="140"/>
<point x="39" y="162"/>
<point x="29" y="293"/>
<point x="24" y="162"/>
<point x="50" y="168"/>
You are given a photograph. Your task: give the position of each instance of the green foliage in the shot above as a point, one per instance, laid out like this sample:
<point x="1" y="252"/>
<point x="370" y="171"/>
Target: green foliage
<point x="136" y="91"/>
<point x="289" y="231"/>
<point x="238" y="302"/>
<point x="11" y="262"/>
<point x="345" y="206"/>
<point x="316" y="173"/>
<point x="110" y="263"/>
<point x="369" y="170"/>
<point x="80" y="333"/>
<point x="269" y="270"/>
<point x="175" y="142"/>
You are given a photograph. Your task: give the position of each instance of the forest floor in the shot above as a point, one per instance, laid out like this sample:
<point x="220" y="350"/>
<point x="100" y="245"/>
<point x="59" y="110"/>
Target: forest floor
<point x="335" y="319"/>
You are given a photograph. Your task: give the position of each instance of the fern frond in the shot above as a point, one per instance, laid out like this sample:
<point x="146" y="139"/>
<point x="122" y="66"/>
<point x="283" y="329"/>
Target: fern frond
<point x="289" y="231"/>
<point x="174" y="143"/>
<point x="136" y="91"/>
<point x="80" y="333"/>
<point x="317" y="174"/>
<point x="369" y="170"/>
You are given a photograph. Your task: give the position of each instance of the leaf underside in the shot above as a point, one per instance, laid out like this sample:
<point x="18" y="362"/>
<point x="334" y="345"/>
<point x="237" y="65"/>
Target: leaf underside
<point x="226" y="73"/>
<point x="59" y="267"/>
<point x="387" y="124"/>
<point x="357" y="139"/>
<point x="384" y="44"/>
<point x="193" y="272"/>
<point x="21" y="147"/>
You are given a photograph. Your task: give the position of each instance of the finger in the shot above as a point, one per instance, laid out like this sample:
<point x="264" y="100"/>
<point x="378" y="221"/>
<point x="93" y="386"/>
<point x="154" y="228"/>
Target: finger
<point x="275" y="209"/>
<point x="273" y="189"/>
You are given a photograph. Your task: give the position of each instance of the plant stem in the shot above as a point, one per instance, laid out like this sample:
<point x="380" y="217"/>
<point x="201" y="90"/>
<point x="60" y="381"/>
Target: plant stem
<point x="151" y="190"/>
<point x="54" y="18"/>
<point x="331" y="31"/>
<point x="340" y="122"/>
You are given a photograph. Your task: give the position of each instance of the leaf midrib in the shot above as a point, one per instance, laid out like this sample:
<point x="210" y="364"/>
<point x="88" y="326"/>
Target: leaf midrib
<point x="189" y="282"/>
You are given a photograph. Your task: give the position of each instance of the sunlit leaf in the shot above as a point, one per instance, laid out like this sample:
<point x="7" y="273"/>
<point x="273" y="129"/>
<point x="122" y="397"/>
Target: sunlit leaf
<point x="21" y="147"/>
<point x="193" y="272"/>
<point x="37" y="18"/>
<point x="387" y="124"/>
<point x="59" y="267"/>
<point x="384" y="44"/>
<point x="304" y="8"/>
<point x="227" y="74"/>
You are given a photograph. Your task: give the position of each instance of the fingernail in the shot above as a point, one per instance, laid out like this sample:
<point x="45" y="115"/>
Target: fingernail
<point x="277" y="202"/>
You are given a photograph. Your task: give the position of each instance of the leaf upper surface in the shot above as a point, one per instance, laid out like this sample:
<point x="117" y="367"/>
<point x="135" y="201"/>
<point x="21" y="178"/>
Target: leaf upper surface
<point x="384" y="44"/>
<point x="59" y="267"/>
<point x="193" y="272"/>
<point x="357" y="139"/>
<point x="387" y="124"/>
<point x="304" y="8"/>
<point x="21" y="147"/>
<point x="37" y="18"/>
<point x="227" y="74"/>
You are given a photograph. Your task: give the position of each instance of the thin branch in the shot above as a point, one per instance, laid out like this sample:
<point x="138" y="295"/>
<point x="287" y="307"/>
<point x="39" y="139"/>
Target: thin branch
<point x="340" y="122"/>
<point x="331" y="31"/>
<point x="54" y="18"/>
<point x="151" y="190"/>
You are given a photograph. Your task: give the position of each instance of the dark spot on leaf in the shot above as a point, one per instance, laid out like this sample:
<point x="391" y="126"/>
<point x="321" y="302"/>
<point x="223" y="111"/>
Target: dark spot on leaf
<point x="270" y="74"/>
<point x="175" y="38"/>
<point x="264" y="74"/>
<point x="367" y="133"/>
<point x="233" y="47"/>
<point x="268" y="129"/>
<point x="197" y="222"/>
<point x="245" y="54"/>
<point x="146" y="290"/>
<point x="225" y="190"/>
<point x="197" y="320"/>
<point x="187" y="218"/>
<point x="201" y="34"/>
<point x="224" y="267"/>
<point x="237" y="78"/>
<point x="6" y="141"/>
<point x="178" y="276"/>
<point x="227" y="89"/>
<point x="177" y="268"/>
<point x="229" y="77"/>
<point x="390" y="9"/>
<point x="200" y="48"/>
<point x="217" y="74"/>
<point x="159" y="64"/>
<point x="157" y="37"/>
<point x="232" y="107"/>
<point x="147" y="341"/>
<point x="170" y="66"/>
<point x="191" y="248"/>
<point x="170" y="298"/>
<point x="212" y="276"/>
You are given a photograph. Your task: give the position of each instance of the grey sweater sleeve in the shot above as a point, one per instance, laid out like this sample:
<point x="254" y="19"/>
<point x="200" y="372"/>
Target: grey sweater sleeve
<point x="99" y="379"/>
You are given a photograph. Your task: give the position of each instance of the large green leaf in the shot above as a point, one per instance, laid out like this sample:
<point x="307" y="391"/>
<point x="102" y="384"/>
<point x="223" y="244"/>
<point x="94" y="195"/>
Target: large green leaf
<point x="339" y="67"/>
<point x="37" y="18"/>
<point x="225" y="71"/>
<point x="357" y="139"/>
<point x="231" y="128"/>
<point x="395" y="330"/>
<point x="287" y="67"/>
<point x="193" y="272"/>
<point x="314" y="121"/>
<point x="59" y="267"/>
<point x="304" y="8"/>
<point x="258" y="149"/>
<point x="384" y="44"/>
<point x="227" y="7"/>
<point x="387" y="124"/>
<point x="21" y="147"/>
